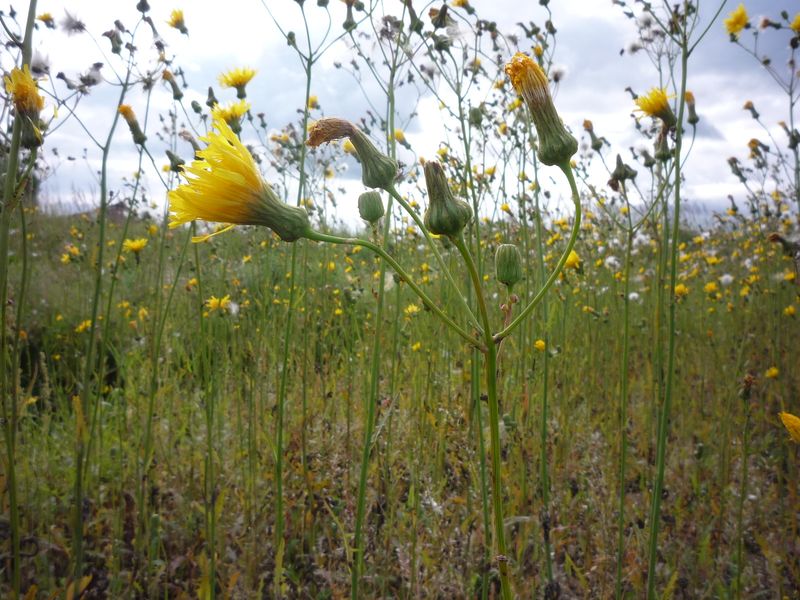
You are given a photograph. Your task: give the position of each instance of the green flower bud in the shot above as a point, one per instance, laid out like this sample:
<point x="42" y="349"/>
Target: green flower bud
<point x="370" y="207"/>
<point x="475" y="116"/>
<point x="508" y="265"/>
<point x="446" y="215"/>
<point x="377" y="169"/>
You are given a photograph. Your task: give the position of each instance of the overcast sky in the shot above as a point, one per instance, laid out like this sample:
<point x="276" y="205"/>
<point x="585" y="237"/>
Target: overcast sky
<point x="591" y="34"/>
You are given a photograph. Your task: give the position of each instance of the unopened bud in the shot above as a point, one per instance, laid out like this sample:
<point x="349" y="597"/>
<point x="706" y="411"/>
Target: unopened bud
<point x="175" y="162"/>
<point x="377" y="169"/>
<point x="693" y="119"/>
<point x="139" y="138"/>
<point x="508" y="265"/>
<point x="556" y="144"/>
<point x="445" y="215"/>
<point x="475" y="116"/>
<point x="370" y="207"/>
<point x="167" y="76"/>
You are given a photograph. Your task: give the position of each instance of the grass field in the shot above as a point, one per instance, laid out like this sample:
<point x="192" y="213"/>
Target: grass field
<point x="383" y="412"/>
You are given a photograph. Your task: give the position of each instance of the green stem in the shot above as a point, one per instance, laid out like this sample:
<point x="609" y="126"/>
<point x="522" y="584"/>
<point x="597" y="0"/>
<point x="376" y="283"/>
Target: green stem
<point x="494" y="417"/>
<point x="576" y="227"/>
<point x="332" y="239"/>
<point x="663" y="424"/>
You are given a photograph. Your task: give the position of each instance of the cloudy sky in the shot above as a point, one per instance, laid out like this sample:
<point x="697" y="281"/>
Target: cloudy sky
<point x="591" y="34"/>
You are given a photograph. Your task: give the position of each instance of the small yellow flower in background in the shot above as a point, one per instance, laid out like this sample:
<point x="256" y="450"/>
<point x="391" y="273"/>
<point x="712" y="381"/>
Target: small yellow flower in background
<point x="681" y="290"/>
<point x="790" y="310"/>
<point x="348" y="147"/>
<point x="411" y="310"/>
<point x="711" y="287"/>
<point x="400" y="136"/>
<point x="792" y="425"/>
<point x="237" y="78"/>
<point x="83" y="326"/>
<point x="221" y="304"/>
<point x="191" y="284"/>
<point x="47" y="19"/>
<point x="772" y="373"/>
<point x="135" y="246"/>
<point x="789" y="276"/>
<point x="745" y="291"/>
<point x="338" y="312"/>
<point x="225" y="186"/>
<point x="331" y="266"/>
<point x="143" y="314"/>
<point x="313" y="102"/>
<point x="505" y="207"/>
<point x="539" y="345"/>
<point x="176" y="21"/>
<point x="133" y="124"/>
<point x="152" y="230"/>
<point x="247" y="258"/>
<point x="656" y="104"/>
<point x="736" y="21"/>
<point x="573" y="260"/>
<point x="416" y="346"/>
<point x="24" y="92"/>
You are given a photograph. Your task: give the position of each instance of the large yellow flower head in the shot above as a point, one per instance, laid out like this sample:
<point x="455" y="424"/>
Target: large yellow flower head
<point x="655" y="103"/>
<point x="737" y="21"/>
<point x="792" y="425"/>
<point x="224" y="186"/>
<point x="24" y="92"/>
<point x="237" y="78"/>
<point x="556" y="145"/>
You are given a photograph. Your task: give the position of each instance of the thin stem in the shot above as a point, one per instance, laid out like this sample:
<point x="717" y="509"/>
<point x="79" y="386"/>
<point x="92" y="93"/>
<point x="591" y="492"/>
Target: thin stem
<point x="576" y="227"/>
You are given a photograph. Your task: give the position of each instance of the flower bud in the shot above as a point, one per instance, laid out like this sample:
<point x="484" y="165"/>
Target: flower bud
<point x="370" y="207"/>
<point x="663" y="152"/>
<point x="446" y="215"/>
<point x="556" y="144"/>
<point x="620" y="173"/>
<point x="508" y="265"/>
<point x="475" y="116"/>
<point x="167" y="76"/>
<point x="597" y="143"/>
<point x="377" y="169"/>
<point x="693" y="119"/>
<point x="139" y="138"/>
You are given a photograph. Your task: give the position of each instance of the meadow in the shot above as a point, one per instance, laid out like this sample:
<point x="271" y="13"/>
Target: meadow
<point x="523" y="373"/>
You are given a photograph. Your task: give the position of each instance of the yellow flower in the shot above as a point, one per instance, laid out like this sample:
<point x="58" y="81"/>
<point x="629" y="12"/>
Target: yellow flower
<point x="539" y="345"/>
<point x="221" y="304"/>
<point x="711" y="287"/>
<point x="681" y="290"/>
<point x="47" y="19"/>
<point x="313" y="102"/>
<point x="772" y="373"/>
<point x="505" y="207"/>
<point x="790" y="310"/>
<point x="556" y="144"/>
<point x="83" y="326"/>
<point x="795" y="24"/>
<point x="656" y="104"/>
<point x="348" y="147"/>
<point x="176" y="21"/>
<point x="134" y="246"/>
<point x="225" y="186"/>
<point x="415" y="347"/>
<point x="152" y="229"/>
<point x="792" y="425"/>
<point x="400" y="136"/>
<point x="573" y="260"/>
<point x="237" y="78"/>
<point x="411" y="310"/>
<point x="24" y="92"/>
<point x="230" y="112"/>
<point x="737" y="21"/>
<point x="789" y="276"/>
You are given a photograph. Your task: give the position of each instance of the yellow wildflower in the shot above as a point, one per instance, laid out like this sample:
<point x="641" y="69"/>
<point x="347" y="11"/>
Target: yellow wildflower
<point x="313" y="102"/>
<point x="573" y="260"/>
<point x="225" y="186"/>
<point x="711" y="287"/>
<point x="411" y="310"/>
<point x="736" y="21"/>
<point x="24" y="92"/>
<point x="221" y="304"/>
<point x="795" y="24"/>
<point x="415" y="347"/>
<point x="231" y="112"/>
<point x="83" y="326"/>
<point x="681" y="290"/>
<point x="176" y="21"/>
<point x="792" y="425"/>
<point x="656" y="104"/>
<point x="237" y="78"/>
<point x="505" y="207"/>
<point x="772" y="373"/>
<point x="400" y="136"/>
<point x="539" y="345"/>
<point x="790" y="310"/>
<point x="47" y="19"/>
<point x="134" y="246"/>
